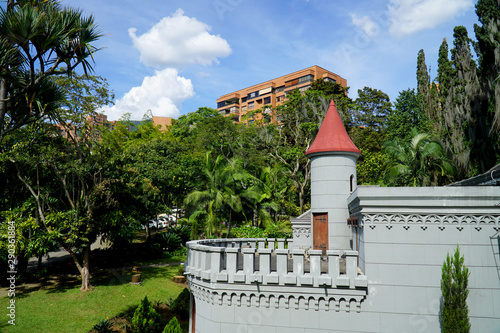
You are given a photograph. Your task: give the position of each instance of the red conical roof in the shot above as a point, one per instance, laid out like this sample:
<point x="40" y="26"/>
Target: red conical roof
<point x="332" y="136"/>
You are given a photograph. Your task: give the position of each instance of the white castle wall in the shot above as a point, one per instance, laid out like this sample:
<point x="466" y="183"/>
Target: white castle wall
<point x="404" y="237"/>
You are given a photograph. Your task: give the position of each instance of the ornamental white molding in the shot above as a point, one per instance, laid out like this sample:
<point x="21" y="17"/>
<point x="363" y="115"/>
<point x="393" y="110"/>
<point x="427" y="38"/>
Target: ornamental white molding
<point x="277" y="299"/>
<point x="301" y="232"/>
<point x="439" y="220"/>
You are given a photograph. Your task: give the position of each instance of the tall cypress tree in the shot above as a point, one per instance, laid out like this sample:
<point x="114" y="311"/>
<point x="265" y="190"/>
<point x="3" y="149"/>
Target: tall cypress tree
<point x="487" y="48"/>
<point x="454" y="288"/>
<point x="444" y="73"/>
<point x="423" y="82"/>
<point x="462" y="134"/>
<point x="427" y="93"/>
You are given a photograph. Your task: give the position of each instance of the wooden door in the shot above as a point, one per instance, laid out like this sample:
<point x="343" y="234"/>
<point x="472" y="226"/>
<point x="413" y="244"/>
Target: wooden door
<point x="320" y="231"/>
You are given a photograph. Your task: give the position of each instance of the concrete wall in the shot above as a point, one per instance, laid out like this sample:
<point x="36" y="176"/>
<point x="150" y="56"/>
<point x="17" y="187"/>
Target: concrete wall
<point x="404" y="237"/>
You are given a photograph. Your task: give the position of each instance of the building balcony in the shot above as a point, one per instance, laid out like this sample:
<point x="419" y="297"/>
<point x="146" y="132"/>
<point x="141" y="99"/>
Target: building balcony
<point x="273" y="267"/>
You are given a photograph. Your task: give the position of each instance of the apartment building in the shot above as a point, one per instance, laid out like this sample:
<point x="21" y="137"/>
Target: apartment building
<point x="240" y="105"/>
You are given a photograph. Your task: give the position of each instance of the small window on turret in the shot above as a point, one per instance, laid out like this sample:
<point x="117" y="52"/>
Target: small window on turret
<point x="352" y="183"/>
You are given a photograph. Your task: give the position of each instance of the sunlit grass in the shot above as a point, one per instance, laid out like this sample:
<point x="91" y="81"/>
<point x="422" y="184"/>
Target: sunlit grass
<point x="64" y="308"/>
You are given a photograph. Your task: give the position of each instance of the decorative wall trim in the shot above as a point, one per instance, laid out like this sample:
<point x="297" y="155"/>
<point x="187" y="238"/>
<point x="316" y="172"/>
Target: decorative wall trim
<point x="301" y="232"/>
<point x="424" y="221"/>
<point x="278" y="299"/>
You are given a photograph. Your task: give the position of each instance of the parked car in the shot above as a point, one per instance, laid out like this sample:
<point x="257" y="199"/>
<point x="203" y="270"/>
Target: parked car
<point x="157" y="223"/>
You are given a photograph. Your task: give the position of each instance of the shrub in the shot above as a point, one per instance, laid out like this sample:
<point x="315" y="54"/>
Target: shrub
<point x="167" y="241"/>
<point x="173" y="326"/>
<point x="146" y="319"/>
<point x="183" y="231"/>
<point x="271" y="231"/>
<point x="180" y="306"/>
<point x="247" y="231"/>
<point x="454" y="286"/>
<point x="103" y="326"/>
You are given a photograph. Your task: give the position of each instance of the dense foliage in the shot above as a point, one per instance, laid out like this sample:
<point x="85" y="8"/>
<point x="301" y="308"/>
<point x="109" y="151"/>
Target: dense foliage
<point x="65" y="181"/>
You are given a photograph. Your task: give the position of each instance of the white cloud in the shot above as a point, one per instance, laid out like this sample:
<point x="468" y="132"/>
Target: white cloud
<point x="366" y="24"/>
<point x="410" y="16"/>
<point x="161" y="93"/>
<point x="179" y="40"/>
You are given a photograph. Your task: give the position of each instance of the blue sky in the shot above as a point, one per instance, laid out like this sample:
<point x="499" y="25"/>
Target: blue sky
<point x="174" y="56"/>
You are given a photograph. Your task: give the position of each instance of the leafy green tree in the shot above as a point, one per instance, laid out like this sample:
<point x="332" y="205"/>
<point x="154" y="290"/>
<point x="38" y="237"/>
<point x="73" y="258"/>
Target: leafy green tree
<point x="419" y="163"/>
<point x="300" y="118"/>
<point x="454" y="287"/>
<point x="73" y="192"/>
<point x="173" y="326"/>
<point x="186" y="125"/>
<point x="145" y="319"/>
<point x="407" y="114"/>
<point x="39" y="39"/>
<point x="371" y="109"/>
<point x="371" y="170"/>
<point x="331" y="90"/>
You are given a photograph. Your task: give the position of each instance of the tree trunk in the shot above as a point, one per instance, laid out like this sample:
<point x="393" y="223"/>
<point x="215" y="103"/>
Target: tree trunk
<point x="301" y="201"/>
<point x="85" y="272"/>
<point x="148" y="231"/>
<point x="229" y="225"/>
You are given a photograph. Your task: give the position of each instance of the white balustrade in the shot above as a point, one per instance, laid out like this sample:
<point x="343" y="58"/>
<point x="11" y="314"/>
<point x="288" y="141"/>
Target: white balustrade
<point x="218" y="261"/>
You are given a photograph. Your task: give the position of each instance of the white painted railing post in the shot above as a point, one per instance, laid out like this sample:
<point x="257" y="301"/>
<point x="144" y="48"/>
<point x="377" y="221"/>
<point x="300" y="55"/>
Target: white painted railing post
<point x="265" y="266"/>
<point x="281" y="264"/>
<point x="298" y="264"/>
<point x="315" y="265"/>
<point x="271" y="242"/>
<point x="205" y="263"/>
<point x="231" y="262"/>
<point x="261" y="242"/>
<point x="215" y="263"/>
<point x="281" y="243"/>
<point x="334" y="269"/>
<point x="248" y="264"/>
<point x="351" y="266"/>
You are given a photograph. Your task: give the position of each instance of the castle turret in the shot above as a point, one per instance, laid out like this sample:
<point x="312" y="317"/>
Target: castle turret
<point x="333" y="178"/>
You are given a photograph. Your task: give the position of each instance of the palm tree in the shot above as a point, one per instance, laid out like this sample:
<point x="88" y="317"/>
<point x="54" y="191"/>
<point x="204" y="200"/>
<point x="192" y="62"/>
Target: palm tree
<point x="219" y="194"/>
<point x="39" y="39"/>
<point x="419" y="163"/>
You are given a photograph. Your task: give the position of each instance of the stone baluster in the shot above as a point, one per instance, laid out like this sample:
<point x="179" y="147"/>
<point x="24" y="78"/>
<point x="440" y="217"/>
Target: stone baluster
<point x="298" y="267"/>
<point x="205" y="262"/>
<point x="351" y="266"/>
<point x="265" y="266"/>
<point x="261" y="243"/>
<point x="315" y="266"/>
<point x="197" y="260"/>
<point x="231" y="263"/>
<point x="216" y="273"/>
<point x="334" y="269"/>
<point x="281" y="264"/>
<point x="289" y="243"/>
<point x="281" y="243"/>
<point x="248" y="265"/>
<point x="271" y="242"/>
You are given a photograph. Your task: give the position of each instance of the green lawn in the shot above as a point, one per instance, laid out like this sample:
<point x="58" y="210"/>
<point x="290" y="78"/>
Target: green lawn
<point x="64" y="308"/>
